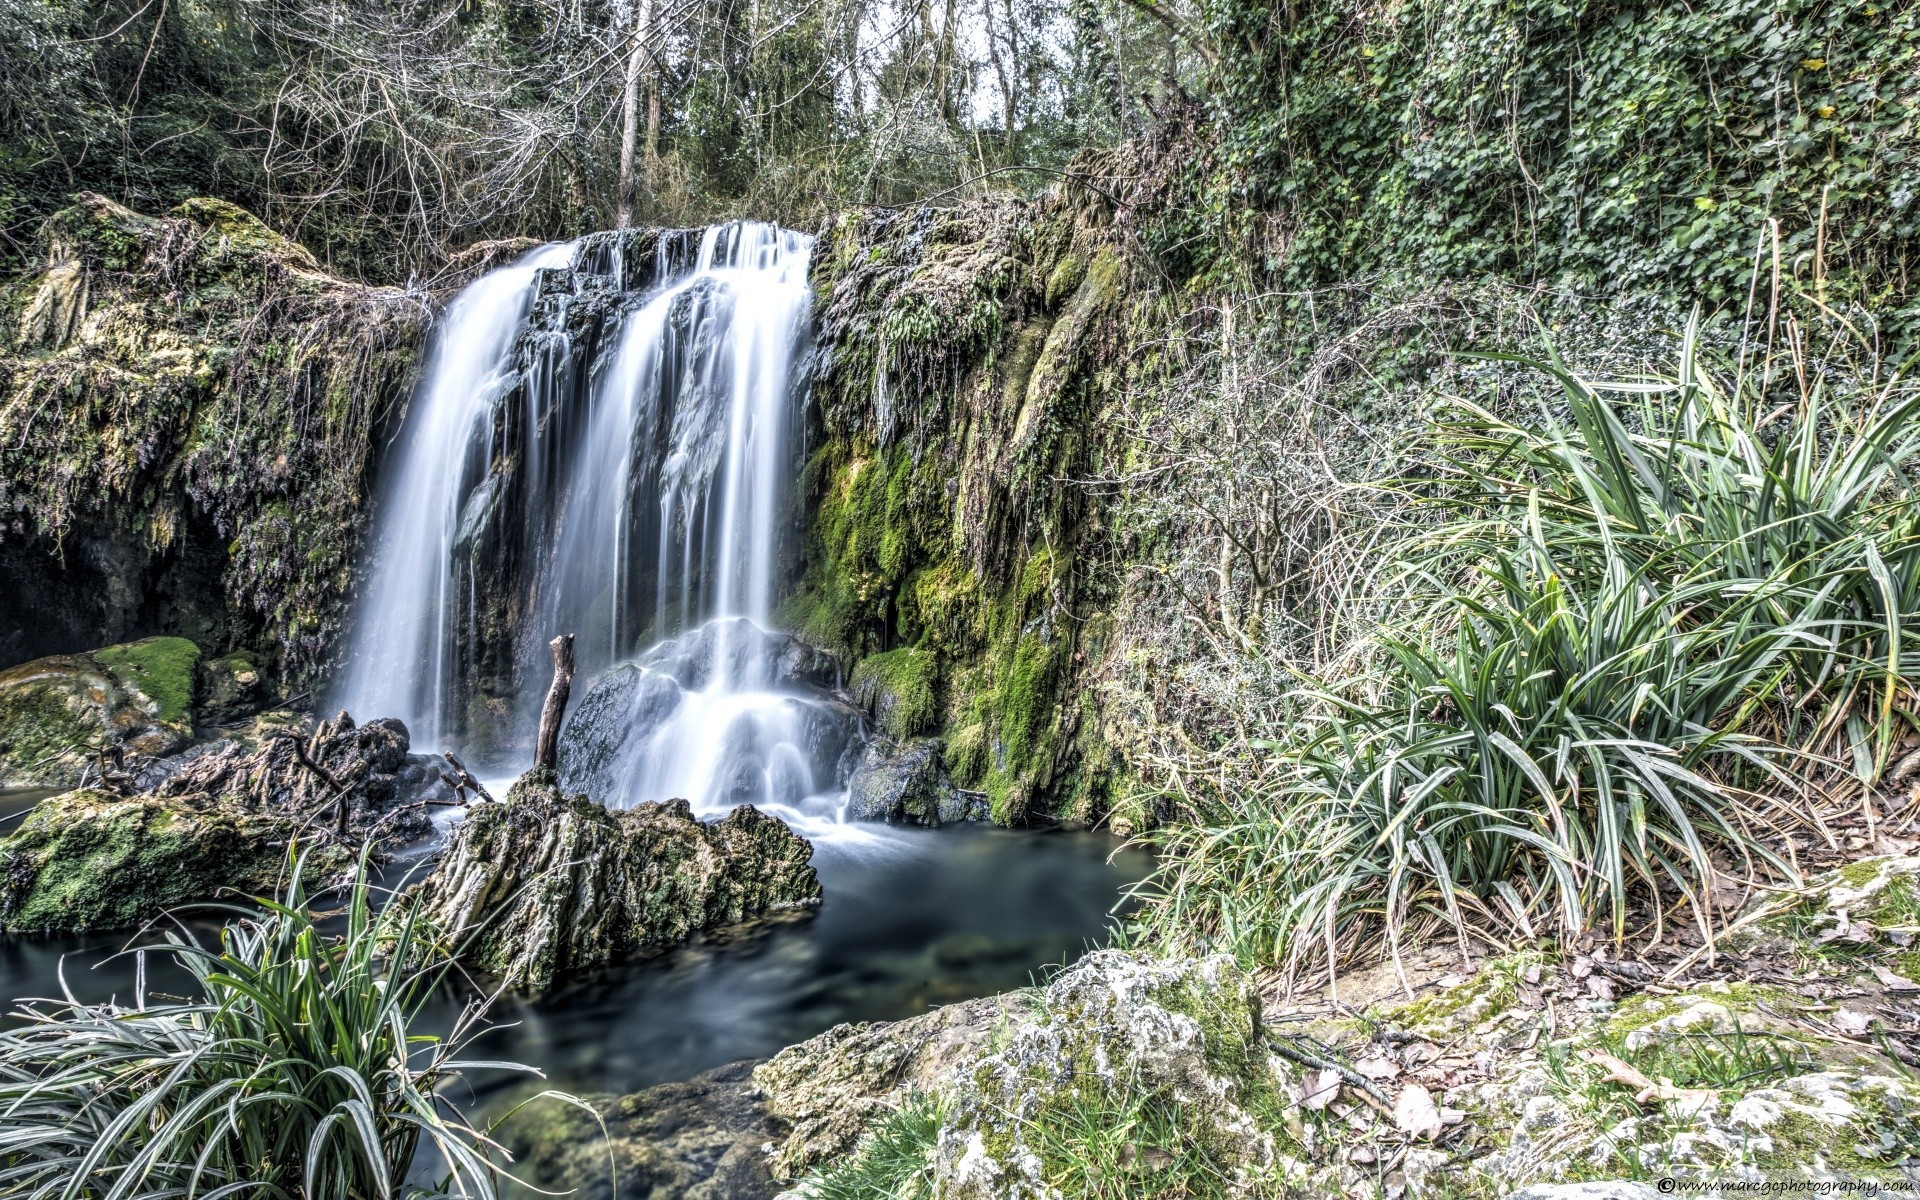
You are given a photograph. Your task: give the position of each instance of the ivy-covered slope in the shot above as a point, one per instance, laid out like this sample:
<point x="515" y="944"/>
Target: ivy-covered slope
<point x="189" y="409"/>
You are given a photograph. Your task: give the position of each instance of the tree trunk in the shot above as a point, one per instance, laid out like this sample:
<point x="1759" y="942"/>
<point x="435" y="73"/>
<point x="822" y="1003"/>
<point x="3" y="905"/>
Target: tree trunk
<point x="546" y="749"/>
<point x="630" y="114"/>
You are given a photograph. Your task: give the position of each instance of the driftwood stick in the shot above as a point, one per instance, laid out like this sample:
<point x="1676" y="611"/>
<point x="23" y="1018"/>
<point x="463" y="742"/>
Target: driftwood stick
<point x="546" y="750"/>
<point x="467" y="779"/>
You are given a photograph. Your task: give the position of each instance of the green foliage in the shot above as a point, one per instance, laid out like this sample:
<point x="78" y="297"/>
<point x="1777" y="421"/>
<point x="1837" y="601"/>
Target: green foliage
<point x="901" y="690"/>
<point x="1585" y="144"/>
<point x="892" y="1162"/>
<point x="298" y="1068"/>
<point x="1614" y="617"/>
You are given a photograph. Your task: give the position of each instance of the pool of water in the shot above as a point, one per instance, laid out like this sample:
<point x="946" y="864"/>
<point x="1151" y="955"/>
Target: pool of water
<point x="911" y="919"/>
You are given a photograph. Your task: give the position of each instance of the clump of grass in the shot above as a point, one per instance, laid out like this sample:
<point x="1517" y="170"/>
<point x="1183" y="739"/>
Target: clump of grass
<point x="1627" y="620"/>
<point x="893" y="1162"/>
<point x="297" y="1069"/>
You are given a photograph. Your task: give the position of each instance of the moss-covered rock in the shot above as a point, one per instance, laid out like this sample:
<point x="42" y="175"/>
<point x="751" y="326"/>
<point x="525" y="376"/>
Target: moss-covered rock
<point x="969" y="360"/>
<point x="899" y="690"/>
<point x="92" y="860"/>
<point x="58" y="714"/>
<point x="1017" y="1078"/>
<point x="189" y="414"/>
<point x="700" y="1139"/>
<point x="230" y="688"/>
<point x="545" y="885"/>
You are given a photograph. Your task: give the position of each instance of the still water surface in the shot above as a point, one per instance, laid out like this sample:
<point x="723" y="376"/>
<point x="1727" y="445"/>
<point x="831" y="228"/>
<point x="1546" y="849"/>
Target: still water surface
<point x="911" y="919"/>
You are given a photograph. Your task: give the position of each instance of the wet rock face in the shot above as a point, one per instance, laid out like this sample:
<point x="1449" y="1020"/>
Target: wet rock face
<point x="546" y="885"/>
<point x="217" y="820"/>
<point x="58" y="714"/>
<point x="189" y="412"/>
<point x="909" y="783"/>
<point x="612" y="726"/>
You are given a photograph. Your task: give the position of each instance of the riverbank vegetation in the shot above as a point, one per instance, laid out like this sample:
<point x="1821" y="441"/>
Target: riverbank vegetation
<point x="1625" y="640"/>
<point x="298" y="1064"/>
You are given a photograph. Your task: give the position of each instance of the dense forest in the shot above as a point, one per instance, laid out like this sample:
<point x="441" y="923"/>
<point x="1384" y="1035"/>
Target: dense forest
<point x="1411" y="505"/>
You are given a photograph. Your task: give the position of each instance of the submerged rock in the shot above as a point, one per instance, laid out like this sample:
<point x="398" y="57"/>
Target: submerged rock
<point x="700" y="1139"/>
<point x="58" y="715"/>
<point x="546" y="885"/>
<point x="216" y="820"/>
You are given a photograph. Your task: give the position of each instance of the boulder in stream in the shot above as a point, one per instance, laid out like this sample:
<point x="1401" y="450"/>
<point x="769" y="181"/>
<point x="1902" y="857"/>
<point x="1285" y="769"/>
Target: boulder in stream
<point x="908" y="782"/>
<point x="547" y="885"/>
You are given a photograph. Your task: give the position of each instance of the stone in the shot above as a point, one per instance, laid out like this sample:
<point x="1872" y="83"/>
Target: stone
<point x="59" y="714"/>
<point x="88" y="860"/>
<point x="695" y="1140"/>
<point x="1186" y="1029"/>
<point x="908" y="783"/>
<point x="231" y="688"/>
<point x="544" y="886"/>
<point x="219" y="819"/>
<point x="1604" y="1189"/>
<point x="611" y="724"/>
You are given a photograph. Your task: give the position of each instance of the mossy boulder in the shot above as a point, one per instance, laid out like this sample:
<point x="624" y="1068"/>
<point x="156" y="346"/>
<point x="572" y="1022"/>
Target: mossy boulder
<point x="899" y="690"/>
<point x="1111" y="1031"/>
<point x="58" y="713"/>
<point x="546" y="885"/>
<point x="231" y="688"/>
<point x="90" y="860"/>
<point x="894" y="782"/>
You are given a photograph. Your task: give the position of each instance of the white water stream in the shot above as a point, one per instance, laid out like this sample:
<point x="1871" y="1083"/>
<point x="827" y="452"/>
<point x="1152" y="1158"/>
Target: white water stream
<point x="635" y="493"/>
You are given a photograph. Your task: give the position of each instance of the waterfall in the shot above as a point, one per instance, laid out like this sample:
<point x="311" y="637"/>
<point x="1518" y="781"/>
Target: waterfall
<point x="603" y="444"/>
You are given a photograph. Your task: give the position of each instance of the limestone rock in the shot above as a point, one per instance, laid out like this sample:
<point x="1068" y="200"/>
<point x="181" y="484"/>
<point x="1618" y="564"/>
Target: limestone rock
<point x="545" y="885"/>
<point x="826" y="1090"/>
<point x="58" y="714"/>
<point x="696" y="1140"/>
<point x="1603" y="1189"/>
<point x="89" y="860"/>
<point x="1186" y="1029"/>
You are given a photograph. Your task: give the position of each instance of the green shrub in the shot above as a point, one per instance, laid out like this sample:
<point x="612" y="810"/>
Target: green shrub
<point x="1592" y="697"/>
<point x="297" y="1069"/>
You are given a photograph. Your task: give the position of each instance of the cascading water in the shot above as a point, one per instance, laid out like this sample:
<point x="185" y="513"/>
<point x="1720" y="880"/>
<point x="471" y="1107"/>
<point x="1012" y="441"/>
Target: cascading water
<point x="593" y="454"/>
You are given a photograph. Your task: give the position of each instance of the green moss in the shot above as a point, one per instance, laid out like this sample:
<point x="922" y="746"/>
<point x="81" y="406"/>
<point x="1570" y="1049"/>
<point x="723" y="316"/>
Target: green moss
<point x="1025" y="700"/>
<point x="1065" y="278"/>
<point x="40" y="733"/>
<point x="88" y="860"/>
<point x="967" y="754"/>
<point x="901" y="690"/>
<point x="161" y="668"/>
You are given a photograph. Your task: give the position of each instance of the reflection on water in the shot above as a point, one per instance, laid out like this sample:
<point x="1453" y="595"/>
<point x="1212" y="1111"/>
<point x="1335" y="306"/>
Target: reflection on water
<point x="911" y="919"/>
